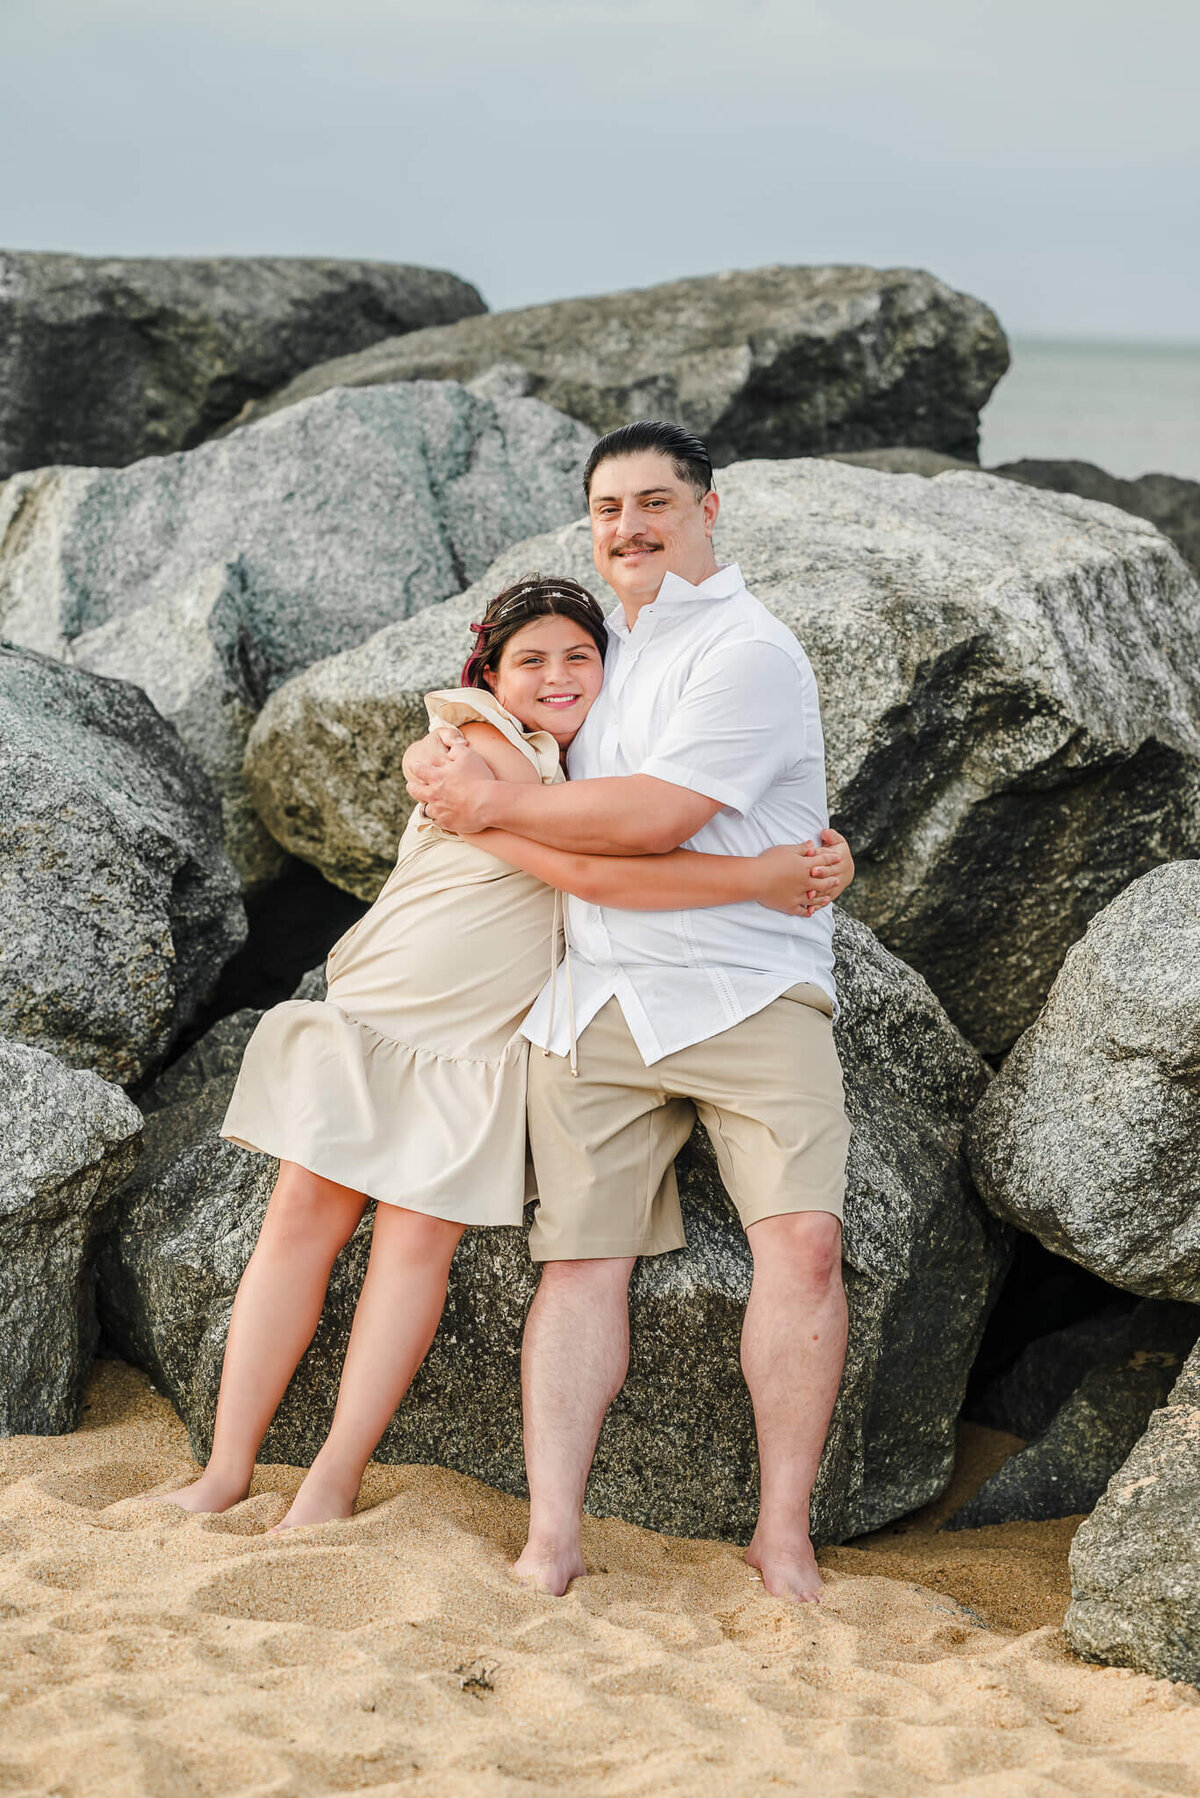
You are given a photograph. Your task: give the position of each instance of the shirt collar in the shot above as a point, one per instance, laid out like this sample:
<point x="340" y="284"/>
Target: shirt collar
<point x="675" y="591"/>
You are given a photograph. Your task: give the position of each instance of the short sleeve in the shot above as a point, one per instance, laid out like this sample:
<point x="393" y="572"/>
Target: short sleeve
<point x="738" y="727"/>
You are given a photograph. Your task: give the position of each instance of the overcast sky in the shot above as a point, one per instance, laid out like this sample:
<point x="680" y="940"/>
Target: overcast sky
<point x="1043" y="154"/>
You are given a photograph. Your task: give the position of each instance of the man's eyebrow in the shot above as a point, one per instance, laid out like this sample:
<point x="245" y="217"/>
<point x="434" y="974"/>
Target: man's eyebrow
<point x="611" y="499"/>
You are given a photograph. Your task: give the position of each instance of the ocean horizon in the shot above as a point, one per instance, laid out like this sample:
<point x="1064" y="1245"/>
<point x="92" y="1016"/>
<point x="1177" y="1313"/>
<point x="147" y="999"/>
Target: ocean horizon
<point x="1131" y="408"/>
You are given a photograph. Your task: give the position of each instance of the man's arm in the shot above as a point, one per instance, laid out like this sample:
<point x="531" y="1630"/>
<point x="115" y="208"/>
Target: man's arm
<point x="738" y="724"/>
<point x="630" y="814"/>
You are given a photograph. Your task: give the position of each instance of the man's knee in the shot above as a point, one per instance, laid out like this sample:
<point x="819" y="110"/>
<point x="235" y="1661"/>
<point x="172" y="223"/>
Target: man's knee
<point x="598" y="1277"/>
<point x="804" y="1247"/>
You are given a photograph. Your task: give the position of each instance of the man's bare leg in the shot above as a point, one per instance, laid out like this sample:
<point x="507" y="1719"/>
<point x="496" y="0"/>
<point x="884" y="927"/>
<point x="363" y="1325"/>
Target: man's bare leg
<point x="275" y="1316"/>
<point x="793" y="1350"/>
<point x="397" y="1317"/>
<point x="573" y="1364"/>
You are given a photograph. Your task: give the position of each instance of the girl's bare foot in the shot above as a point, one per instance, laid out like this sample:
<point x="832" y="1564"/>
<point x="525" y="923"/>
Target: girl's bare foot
<point x="549" y="1567"/>
<point x="318" y="1501"/>
<point x="209" y="1493"/>
<point x="789" y="1569"/>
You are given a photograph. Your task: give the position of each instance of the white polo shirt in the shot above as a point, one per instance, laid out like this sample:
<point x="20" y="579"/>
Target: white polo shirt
<point x="710" y="692"/>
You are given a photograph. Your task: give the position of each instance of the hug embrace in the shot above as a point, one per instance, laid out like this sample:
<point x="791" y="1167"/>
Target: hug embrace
<point x="610" y="915"/>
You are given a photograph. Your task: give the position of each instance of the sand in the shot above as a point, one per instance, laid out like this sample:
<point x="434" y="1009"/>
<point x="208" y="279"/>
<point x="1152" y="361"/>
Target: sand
<point x="143" y="1652"/>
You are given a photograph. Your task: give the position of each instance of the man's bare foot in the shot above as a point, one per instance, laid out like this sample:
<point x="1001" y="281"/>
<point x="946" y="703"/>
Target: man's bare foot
<point x="207" y="1494"/>
<point x="789" y="1569"/>
<point x="549" y="1568"/>
<point x="317" y="1501"/>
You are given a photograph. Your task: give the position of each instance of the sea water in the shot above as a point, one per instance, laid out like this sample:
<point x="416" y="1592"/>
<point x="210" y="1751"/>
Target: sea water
<point x="1131" y="408"/>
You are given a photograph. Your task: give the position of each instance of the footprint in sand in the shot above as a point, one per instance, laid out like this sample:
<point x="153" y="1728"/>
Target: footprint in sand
<point x="97" y="1488"/>
<point x="64" y="1572"/>
<point x="328" y="1587"/>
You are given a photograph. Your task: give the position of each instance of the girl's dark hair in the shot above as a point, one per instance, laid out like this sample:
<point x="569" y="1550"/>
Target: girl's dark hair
<point x="534" y="596"/>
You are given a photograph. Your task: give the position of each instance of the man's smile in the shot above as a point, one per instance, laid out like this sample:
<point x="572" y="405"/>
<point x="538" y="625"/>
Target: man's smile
<point x="633" y="552"/>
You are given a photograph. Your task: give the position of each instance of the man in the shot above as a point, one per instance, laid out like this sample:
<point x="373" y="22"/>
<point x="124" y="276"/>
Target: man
<point x="707" y="732"/>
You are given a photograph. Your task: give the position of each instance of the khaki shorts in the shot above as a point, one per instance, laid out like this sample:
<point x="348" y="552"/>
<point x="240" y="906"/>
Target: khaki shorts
<point x="768" y="1091"/>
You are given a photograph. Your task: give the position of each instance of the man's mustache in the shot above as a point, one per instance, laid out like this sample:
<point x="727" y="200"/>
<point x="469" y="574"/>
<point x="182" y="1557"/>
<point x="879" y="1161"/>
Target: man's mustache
<point x="620" y="549"/>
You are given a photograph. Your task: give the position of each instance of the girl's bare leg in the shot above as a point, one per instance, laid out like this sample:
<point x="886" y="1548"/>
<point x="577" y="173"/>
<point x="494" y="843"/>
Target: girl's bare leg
<point x="275" y="1316"/>
<point x="396" y="1320"/>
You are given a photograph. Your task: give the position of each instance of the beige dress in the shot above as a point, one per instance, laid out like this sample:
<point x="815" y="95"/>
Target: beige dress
<point x="408" y="1081"/>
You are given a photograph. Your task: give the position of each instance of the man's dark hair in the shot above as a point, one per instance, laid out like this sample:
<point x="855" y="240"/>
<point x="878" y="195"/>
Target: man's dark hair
<point x="689" y="457"/>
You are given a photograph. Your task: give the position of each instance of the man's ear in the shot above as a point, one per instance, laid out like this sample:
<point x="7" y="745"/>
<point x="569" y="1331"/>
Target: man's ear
<point x="710" y="505"/>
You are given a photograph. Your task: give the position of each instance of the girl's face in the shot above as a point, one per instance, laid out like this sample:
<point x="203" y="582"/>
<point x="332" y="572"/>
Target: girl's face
<point x="549" y="674"/>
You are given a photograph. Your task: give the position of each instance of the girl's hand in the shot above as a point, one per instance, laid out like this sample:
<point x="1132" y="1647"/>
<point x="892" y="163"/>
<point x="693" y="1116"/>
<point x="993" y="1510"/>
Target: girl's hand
<point x="801" y="879"/>
<point x="834" y="868"/>
<point x="784" y="880"/>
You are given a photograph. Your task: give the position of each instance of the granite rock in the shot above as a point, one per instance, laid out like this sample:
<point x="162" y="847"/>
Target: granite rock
<point x="1167" y="500"/>
<point x="118" y="905"/>
<point x="925" y="462"/>
<point x="1023" y="1399"/>
<point x="1010" y="687"/>
<point x="67" y="1139"/>
<point x="207" y="578"/>
<point x="923" y="1262"/>
<point x="105" y="359"/>
<point x="1090" y="1136"/>
<point x="1135" y="1562"/>
<point x="1065" y="1470"/>
<point x="761" y="362"/>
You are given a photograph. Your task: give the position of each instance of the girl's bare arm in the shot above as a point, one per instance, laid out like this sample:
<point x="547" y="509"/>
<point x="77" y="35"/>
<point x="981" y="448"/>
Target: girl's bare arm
<point x="784" y="879"/>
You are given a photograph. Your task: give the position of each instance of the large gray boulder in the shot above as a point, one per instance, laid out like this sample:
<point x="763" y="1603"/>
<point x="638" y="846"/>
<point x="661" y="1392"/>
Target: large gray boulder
<point x="1135" y="1562"/>
<point x="1090" y="1137"/>
<point x="1010" y="686"/>
<point x="209" y="577"/>
<point x="118" y="905"/>
<point x="1065" y="1470"/>
<point x="67" y="1139"/>
<point x="923" y="1262"/>
<point x="1167" y="500"/>
<point x="761" y="362"/>
<point x="104" y="359"/>
<point x="1023" y="1399"/>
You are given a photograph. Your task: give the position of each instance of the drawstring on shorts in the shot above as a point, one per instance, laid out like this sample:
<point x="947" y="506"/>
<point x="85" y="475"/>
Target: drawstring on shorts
<point x="560" y="922"/>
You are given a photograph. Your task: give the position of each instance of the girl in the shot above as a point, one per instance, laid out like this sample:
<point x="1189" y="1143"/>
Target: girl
<point x="407" y="1084"/>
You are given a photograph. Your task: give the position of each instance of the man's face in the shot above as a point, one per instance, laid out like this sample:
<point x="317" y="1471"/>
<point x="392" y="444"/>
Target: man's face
<point x="645" y="520"/>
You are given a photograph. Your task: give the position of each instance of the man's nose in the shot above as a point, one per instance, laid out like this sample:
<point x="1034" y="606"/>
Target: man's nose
<point x="631" y="519"/>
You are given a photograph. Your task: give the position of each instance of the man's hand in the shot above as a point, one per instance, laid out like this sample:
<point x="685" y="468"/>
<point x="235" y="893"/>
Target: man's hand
<point x="432" y="751"/>
<point x="446" y="777"/>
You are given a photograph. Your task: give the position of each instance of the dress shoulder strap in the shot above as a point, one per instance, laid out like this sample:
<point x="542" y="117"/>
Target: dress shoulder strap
<point x="467" y="705"/>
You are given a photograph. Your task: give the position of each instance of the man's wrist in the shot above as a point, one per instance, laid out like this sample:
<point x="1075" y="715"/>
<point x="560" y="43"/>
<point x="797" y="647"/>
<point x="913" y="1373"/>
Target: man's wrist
<point x="487" y="797"/>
